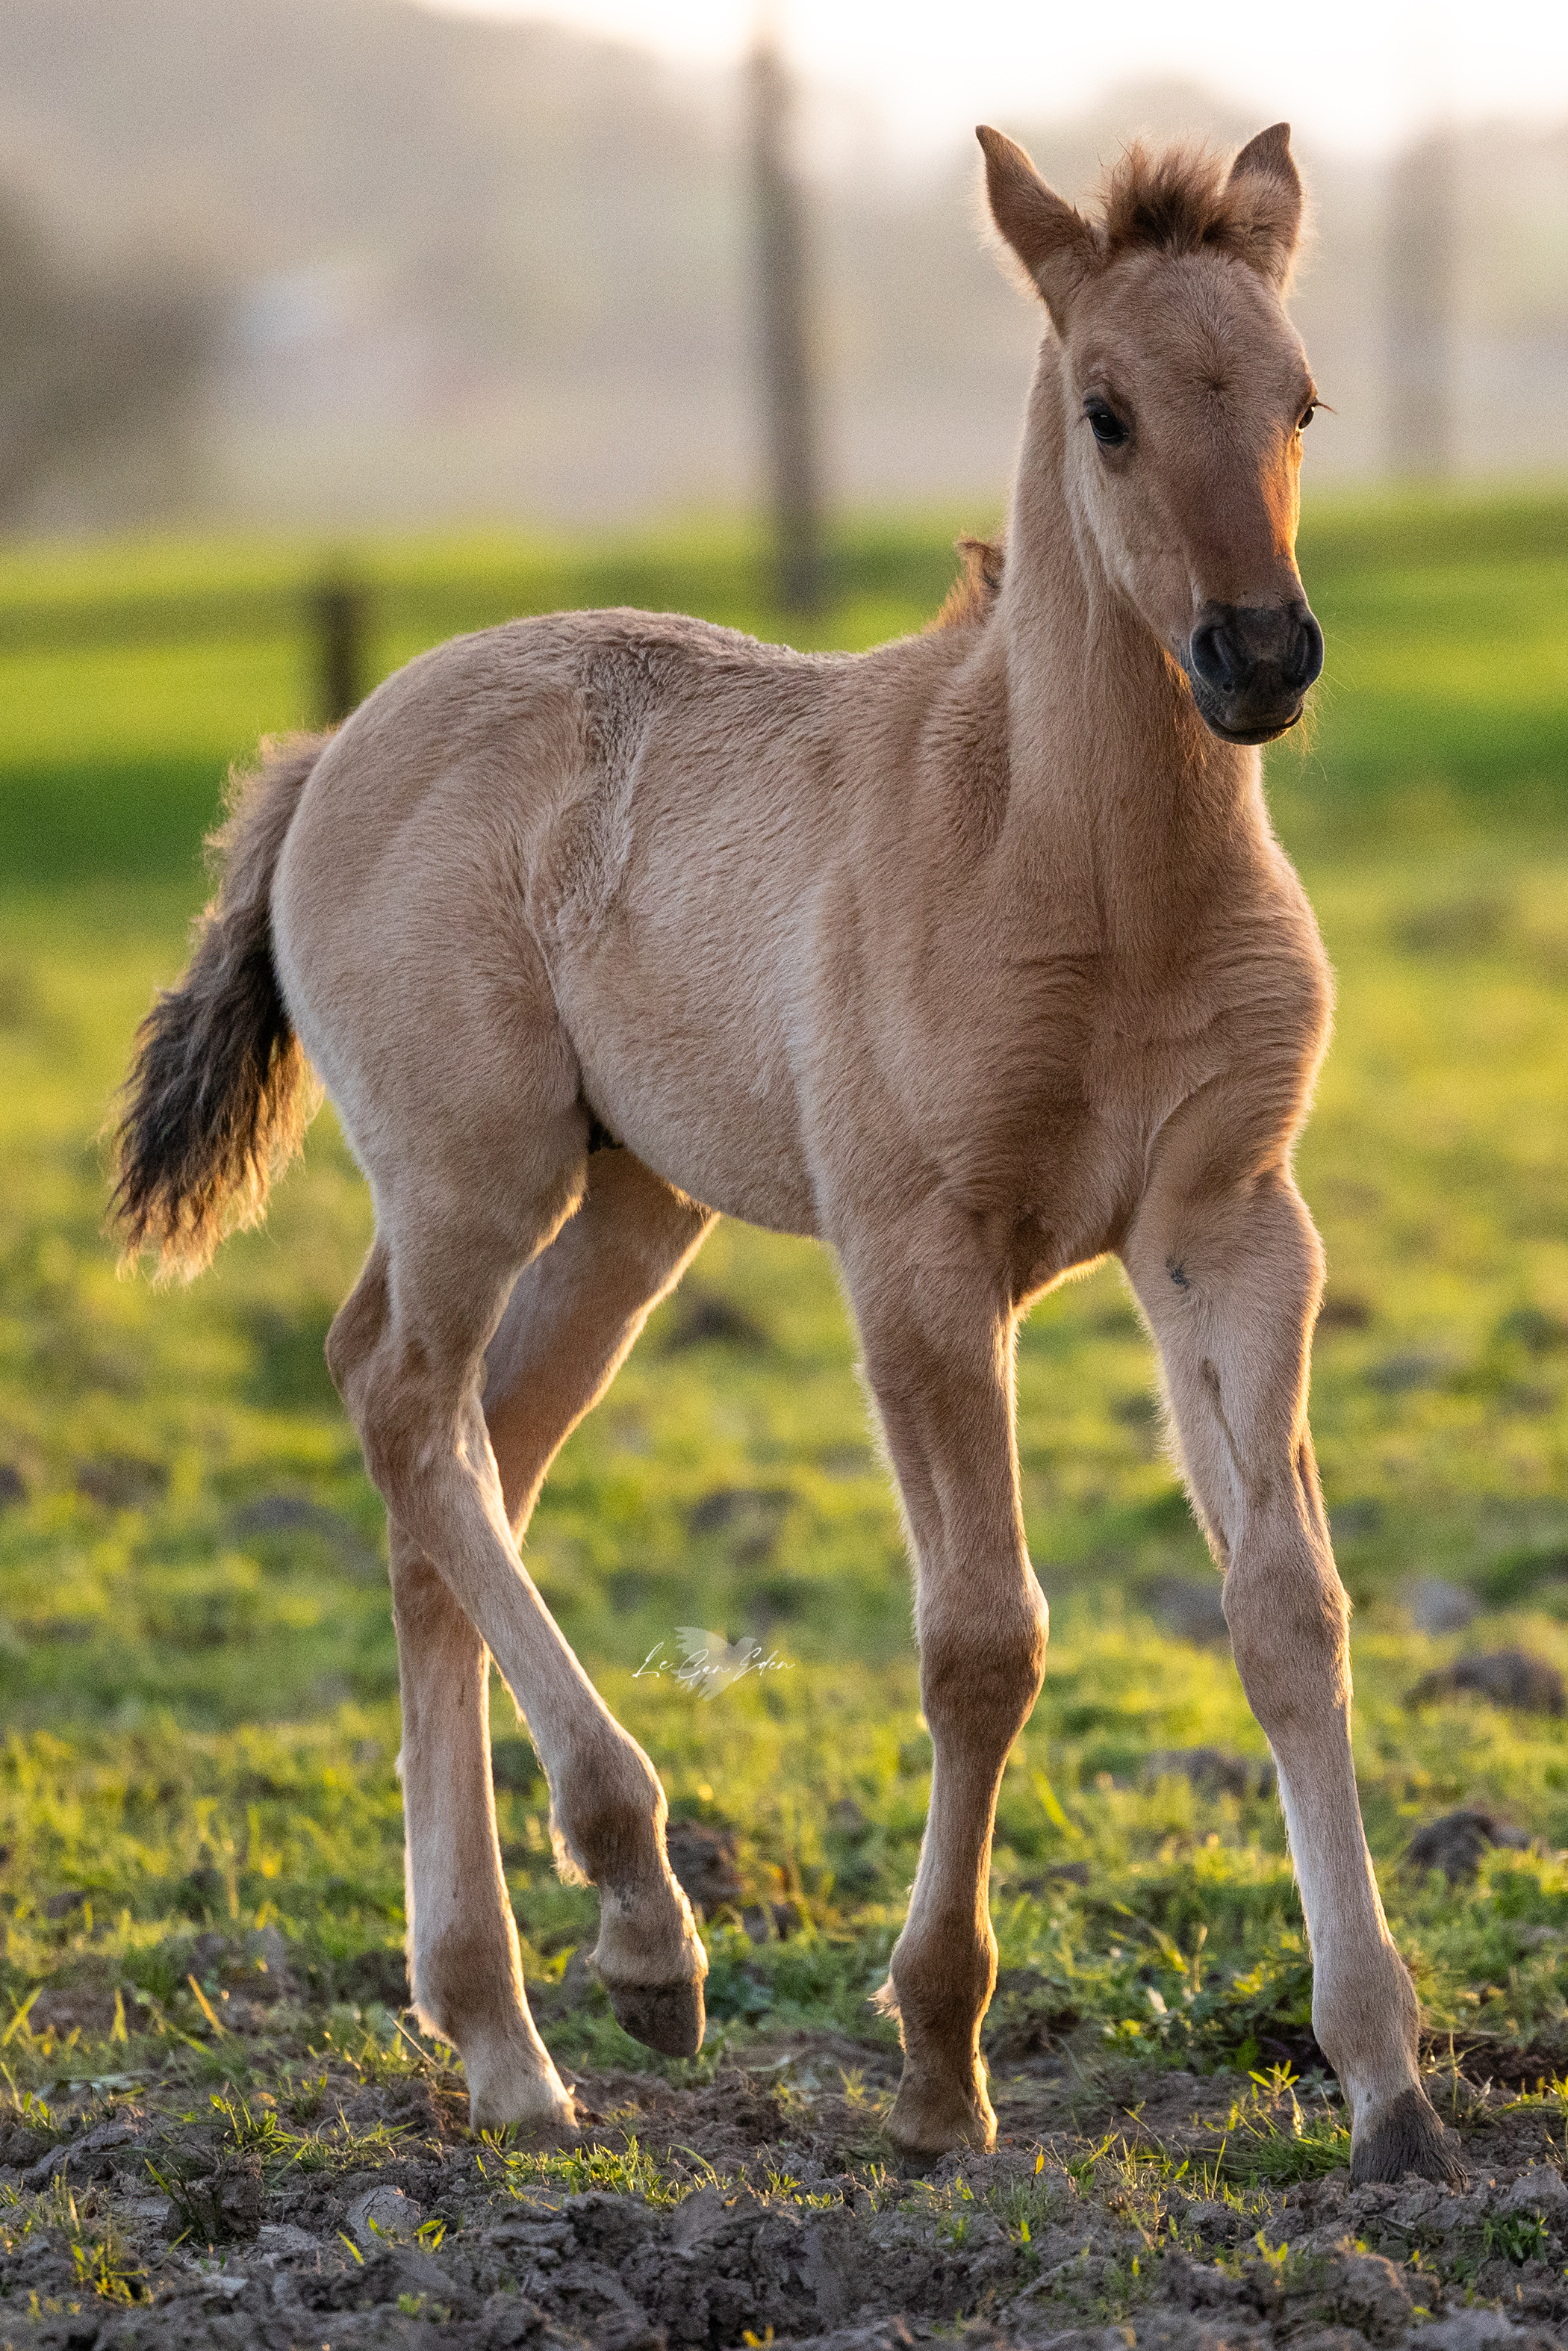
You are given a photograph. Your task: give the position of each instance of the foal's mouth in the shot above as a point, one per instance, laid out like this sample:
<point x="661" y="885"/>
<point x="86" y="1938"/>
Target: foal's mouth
<point x="1266" y="726"/>
<point x="1270" y="733"/>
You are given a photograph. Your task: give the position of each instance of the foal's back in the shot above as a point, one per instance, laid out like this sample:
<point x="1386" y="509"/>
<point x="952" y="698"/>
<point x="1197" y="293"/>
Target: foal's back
<point x="688" y="853"/>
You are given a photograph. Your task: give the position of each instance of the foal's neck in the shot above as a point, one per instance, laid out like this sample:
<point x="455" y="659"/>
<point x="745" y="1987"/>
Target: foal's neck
<point x="1127" y="808"/>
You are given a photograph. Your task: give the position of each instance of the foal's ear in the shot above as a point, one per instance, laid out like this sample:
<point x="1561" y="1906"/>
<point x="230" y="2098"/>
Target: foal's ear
<point x="1055" y="244"/>
<point x="1267" y="189"/>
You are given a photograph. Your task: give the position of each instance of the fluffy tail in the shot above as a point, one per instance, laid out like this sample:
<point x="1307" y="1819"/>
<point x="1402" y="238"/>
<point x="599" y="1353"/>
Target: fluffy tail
<point x="219" y="1092"/>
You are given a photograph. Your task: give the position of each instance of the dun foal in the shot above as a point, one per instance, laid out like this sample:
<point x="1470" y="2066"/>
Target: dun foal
<point x="973" y="957"/>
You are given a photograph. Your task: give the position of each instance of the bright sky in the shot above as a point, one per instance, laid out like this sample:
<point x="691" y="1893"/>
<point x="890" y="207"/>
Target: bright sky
<point x="1356" y="75"/>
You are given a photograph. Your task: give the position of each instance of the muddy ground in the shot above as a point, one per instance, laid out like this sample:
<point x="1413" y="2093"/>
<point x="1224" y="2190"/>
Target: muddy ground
<point x="1117" y="2210"/>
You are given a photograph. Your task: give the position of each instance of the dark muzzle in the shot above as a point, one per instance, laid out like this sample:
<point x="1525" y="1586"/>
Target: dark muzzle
<point x="1249" y="666"/>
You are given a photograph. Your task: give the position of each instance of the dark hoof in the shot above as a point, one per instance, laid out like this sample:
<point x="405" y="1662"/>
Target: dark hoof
<point x="669" y="2018"/>
<point x="1406" y="2138"/>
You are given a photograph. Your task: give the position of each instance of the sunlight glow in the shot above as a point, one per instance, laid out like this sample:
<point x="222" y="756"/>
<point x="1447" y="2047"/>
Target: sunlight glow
<point x="1352" y="77"/>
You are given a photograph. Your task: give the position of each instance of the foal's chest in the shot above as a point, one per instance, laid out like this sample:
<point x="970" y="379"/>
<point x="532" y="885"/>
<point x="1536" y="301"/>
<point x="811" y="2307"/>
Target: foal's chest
<point x="1091" y="1062"/>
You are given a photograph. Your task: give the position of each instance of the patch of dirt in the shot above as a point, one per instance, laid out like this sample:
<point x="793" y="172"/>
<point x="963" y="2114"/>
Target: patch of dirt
<point x="1158" y="2210"/>
<point x="1510" y="1677"/>
<point x="704" y="1319"/>
<point x="1212" y="1768"/>
<point x="1187" y="1608"/>
<point x="290" y="1514"/>
<point x="121" y="1482"/>
<point x="1456" y="1843"/>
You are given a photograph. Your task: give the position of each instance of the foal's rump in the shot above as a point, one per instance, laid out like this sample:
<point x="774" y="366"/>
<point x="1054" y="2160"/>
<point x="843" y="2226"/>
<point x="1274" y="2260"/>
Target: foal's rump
<point x="569" y="867"/>
<point x="399" y="930"/>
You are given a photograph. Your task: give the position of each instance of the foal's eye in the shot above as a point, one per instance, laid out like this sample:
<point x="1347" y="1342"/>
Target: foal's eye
<point x="1306" y="415"/>
<point x="1105" y="425"/>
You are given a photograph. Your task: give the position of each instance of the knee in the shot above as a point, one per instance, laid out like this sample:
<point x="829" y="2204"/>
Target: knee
<point x="381" y="1391"/>
<point x="356" y="1350"/>
<point x="409" y="1420"/>
<point x="394" y="1426"/>
<point x="1289" y="1621"/>
<point x="982" y="1666"/>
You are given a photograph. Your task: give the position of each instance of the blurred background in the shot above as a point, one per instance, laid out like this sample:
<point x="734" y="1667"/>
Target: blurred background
<point x="328" y="327"/>
<point x="345" y="262"/>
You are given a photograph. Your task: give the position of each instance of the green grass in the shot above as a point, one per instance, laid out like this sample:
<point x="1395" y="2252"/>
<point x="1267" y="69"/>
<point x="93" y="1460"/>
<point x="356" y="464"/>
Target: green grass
<point x="1445" y="688"/>
<point x="197" y="1672"/>
<point x="1445" y="685"/>
<point x="111" y="757"/>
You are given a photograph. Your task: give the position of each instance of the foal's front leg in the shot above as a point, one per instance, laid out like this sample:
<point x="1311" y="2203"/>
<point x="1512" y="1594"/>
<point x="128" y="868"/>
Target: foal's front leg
<point x="1230" y="1280"/>
<point x="938" y="1337"/>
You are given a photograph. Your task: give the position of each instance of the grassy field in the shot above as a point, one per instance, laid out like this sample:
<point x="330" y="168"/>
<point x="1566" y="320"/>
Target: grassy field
<point x="197" y="1672"/>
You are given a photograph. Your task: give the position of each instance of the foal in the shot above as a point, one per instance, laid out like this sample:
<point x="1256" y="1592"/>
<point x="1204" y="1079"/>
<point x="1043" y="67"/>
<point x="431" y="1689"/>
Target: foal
<point x="973" y="957"/>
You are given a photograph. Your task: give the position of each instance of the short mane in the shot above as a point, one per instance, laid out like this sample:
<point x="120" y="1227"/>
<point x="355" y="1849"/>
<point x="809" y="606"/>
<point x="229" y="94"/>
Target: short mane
<point x="1178" y="200"/>
<point x="973" y="594"/>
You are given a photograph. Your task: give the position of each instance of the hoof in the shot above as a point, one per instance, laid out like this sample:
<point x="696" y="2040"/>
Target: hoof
<point x="1406" y="2137"/>
<point x="518" y="2096"/>
<point x="670" y="2018"/>
<point x="926" y="2121"/>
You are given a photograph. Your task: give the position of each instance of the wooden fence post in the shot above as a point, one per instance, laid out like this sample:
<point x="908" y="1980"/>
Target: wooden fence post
<point x="785" y="334"/>
<point x="340" y="616"/>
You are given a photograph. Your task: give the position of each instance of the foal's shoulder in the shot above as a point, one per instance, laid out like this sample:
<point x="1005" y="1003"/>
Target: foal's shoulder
<point x="1274" y="946"/>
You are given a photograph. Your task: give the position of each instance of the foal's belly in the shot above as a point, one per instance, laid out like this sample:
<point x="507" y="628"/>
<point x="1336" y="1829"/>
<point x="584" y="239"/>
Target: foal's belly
<point x="697" y="1085"/>
<point x="739" y="1157"/>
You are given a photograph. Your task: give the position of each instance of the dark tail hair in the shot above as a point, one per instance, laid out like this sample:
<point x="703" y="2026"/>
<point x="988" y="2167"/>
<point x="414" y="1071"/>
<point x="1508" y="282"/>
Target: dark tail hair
<point x="219" y="1092"/>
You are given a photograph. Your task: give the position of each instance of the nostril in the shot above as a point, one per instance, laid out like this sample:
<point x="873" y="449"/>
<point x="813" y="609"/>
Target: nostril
<point x="1306" y="659"/>
<point x="1216" y="657"/>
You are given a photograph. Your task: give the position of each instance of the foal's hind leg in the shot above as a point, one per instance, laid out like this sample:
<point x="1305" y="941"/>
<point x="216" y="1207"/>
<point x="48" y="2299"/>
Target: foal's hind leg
<point x="407" y="1353"/>
<point x="1230" y="1282"/>
<point x="570" y="1323"/>
<point x="572" y="1318"/>
<point x="463" y="1962"/>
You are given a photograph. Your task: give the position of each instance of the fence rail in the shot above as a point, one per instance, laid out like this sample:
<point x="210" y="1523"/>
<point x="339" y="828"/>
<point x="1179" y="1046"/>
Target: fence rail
<point x="345" y="618"/>
<point x="338" y="617"/>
